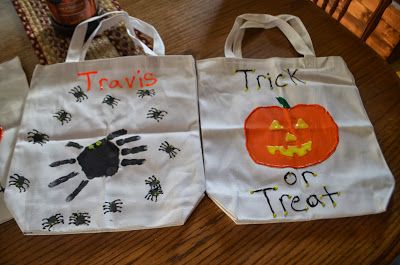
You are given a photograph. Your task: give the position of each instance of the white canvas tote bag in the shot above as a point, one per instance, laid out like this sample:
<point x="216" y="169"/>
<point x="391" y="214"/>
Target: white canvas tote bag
<point x="110" y="144"/>
<point x="13" y="91"/>
<point x="287" y="139"/>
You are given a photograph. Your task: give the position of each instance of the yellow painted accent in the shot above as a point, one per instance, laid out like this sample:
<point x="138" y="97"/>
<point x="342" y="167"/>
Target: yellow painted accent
<point x="290" y="137"/>
<point x="91" y="147"/>
<point x="301" y="124"/>
<point x="275" y="188"/>
<point x="291" y="150"/>
<point x="307" y="185"/>
<point x="323" y="204"/>
<point x="98" y="143"/>
<point x="314" y="174"/>
<point x="285" y="213"/>
<point x="275" y="125"/>
<point x="274" y="215"/>
<point x="251" y="191"/>
<point x="334" y="204"/>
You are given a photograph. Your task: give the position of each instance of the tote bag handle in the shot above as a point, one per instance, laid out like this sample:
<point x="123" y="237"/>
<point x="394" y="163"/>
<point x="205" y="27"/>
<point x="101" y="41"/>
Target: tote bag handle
<point x="291" y="26"/>
<point x="79" y="47"/>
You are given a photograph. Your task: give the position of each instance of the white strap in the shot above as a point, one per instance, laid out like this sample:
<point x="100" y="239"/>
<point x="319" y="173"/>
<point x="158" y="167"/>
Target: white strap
<point x="291" y="26"/>
<point x="78" y="47"/>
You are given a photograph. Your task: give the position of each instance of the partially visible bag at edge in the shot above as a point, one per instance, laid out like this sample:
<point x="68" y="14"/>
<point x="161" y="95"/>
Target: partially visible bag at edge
<point x="109" y="144"/>
<point x="287" y="139"/>
<point x="13" y="91"/>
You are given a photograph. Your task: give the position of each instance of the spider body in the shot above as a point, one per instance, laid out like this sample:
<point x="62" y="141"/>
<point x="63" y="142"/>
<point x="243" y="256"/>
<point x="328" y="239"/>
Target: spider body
<point x="171" y="150"/>
<point x="155" y="188"/>
<point x="146" y="92"/>
<point x="37" y="137"/>
<point x="111" y="101"/>
<point x="19" y="182"/>
<point x="94" y="162"/>
<point x="78" y="219"/>
<point x="100" y="159"/>
<point x="78" y="94"/>
<point x="63" y="116"/>
<point x="156" y="114"/>
<point x="112" y="207"/>
<point x="49" y="223"/>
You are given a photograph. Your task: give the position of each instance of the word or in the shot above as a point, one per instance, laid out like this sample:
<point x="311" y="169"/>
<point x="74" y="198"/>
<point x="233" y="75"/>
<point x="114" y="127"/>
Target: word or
<point x="267" y="79"/>
<point x="287" y="200"/>
<point x="147" y="80"/>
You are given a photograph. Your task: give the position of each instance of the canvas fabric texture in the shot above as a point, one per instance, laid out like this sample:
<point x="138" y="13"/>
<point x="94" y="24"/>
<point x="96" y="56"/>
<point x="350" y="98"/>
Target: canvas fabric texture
<point x="13" y="90"/>
<point x="110" y="144"/>
<point x="287" y="139"/>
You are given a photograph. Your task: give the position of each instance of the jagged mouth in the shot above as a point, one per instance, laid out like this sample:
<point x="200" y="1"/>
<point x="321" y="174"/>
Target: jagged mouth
<point x="291" y="149"/>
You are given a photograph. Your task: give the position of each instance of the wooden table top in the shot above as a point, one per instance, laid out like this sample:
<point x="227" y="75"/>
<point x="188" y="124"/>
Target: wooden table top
<point x="209" y="236"/>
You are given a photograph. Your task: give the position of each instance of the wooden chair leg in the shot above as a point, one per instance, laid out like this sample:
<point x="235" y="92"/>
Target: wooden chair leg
<point x="333" y="8"/>
<point x="395" y="54"/>
<point x="344" y="9"/>
<point x="375" y="18"/>
<point x="324" y="4"/>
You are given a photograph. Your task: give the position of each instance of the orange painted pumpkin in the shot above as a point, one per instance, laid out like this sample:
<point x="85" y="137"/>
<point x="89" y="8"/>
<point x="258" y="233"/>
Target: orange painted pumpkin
<point x="290" y="137"/>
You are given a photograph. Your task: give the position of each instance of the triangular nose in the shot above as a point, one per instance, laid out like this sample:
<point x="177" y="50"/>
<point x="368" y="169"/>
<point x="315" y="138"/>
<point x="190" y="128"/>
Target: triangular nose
<point x="290" y="137"/>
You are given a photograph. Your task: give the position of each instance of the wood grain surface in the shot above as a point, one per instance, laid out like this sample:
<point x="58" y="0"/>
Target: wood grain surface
<point x="209" y="236"/>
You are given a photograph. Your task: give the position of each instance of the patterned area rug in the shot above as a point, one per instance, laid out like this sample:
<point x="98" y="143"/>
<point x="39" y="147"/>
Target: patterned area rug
<point x="51" y="47"/>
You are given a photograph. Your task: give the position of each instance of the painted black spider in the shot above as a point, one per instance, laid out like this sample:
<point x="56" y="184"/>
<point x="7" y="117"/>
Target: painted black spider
<point x="111" y="101"/>
<point x="53" y="220"/>
<point x="78" y="94"/>
<point x="112" y="207"/>
<point x="20" y="182"/>
<point x="100" y="159"/>
<point x="155" y="188"/>
<point x="2" y="189"/>
<point x="37" y="137"/>
<point x="156" y="114"/>
<point x="63" y="116"/>
<point x="79" y="219"/>
<point x="169" y="149"/>
<point x="146" y="92"/>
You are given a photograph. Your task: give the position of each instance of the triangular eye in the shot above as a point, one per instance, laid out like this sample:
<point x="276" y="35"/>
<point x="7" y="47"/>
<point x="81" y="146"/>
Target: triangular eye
<point x="275" y="125"/>
<point x="301" y="124"/>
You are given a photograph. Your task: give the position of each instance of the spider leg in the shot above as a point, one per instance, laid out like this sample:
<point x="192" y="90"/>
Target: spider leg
<point x="63" y="162"/>
<point x="116" y="134"/>
<point x="134" y="150"/>
<point x="128" y="162"/>
<point x="62" y="179"/>
<point x="73" y="144"/>
<point x="128" y="140"/>
<point x="77" y="190"/>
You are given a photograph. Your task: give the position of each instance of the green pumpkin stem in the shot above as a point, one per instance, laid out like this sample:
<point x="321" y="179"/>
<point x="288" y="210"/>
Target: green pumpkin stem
<point x="283" y="102"/>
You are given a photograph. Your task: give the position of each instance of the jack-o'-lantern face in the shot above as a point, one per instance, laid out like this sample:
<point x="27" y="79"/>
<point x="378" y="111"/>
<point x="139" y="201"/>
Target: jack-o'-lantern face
<point x="290" y="137"/>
